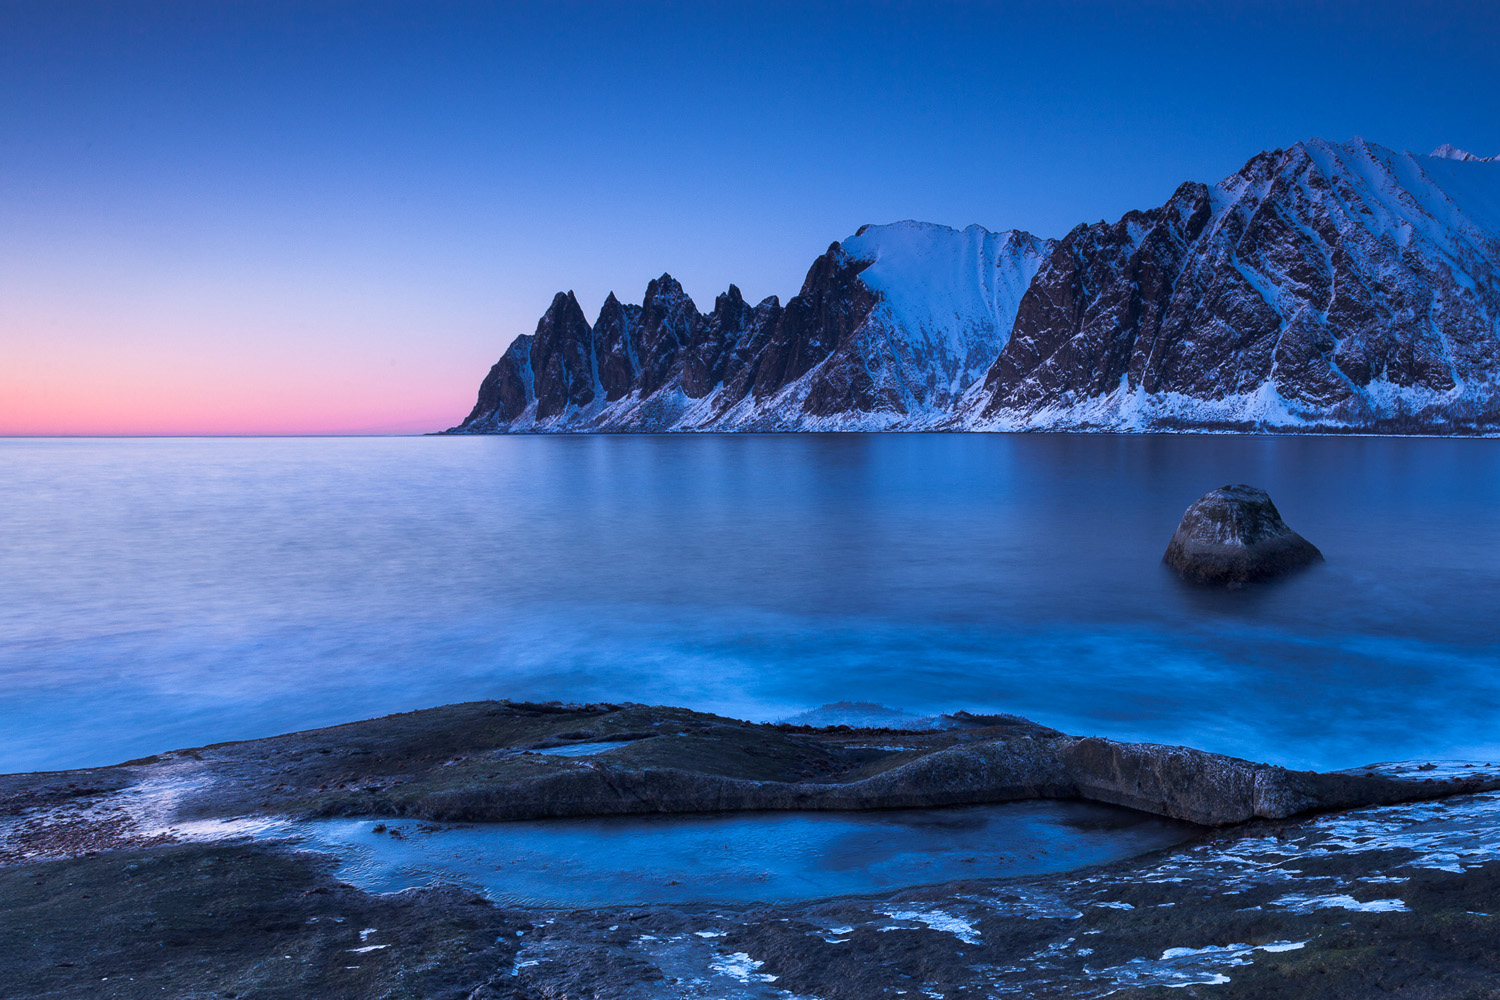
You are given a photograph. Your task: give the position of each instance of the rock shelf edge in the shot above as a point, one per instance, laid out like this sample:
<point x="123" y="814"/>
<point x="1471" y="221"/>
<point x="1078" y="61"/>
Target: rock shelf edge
<point x="478" y="762"/>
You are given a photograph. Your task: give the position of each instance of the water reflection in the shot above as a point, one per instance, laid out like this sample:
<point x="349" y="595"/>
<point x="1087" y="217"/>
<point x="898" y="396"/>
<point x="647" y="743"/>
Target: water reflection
<point x="163" y="593"/>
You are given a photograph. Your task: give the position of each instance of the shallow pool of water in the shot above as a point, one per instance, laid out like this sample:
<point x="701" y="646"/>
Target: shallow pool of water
<point x="750" y="857"/>
<point x="583" y="749"/>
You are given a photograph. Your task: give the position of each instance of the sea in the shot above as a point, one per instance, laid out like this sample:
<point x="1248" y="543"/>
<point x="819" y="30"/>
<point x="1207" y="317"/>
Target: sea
<point x="174" y="592"/>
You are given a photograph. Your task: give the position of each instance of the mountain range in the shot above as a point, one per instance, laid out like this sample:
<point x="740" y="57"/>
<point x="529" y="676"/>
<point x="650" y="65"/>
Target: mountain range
<point x="1330" y="287"/>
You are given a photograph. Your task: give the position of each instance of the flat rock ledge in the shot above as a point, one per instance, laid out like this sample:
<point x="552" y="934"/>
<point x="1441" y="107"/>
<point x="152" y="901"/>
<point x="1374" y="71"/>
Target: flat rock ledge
<point x="1235" y="535"/>
<point x="490" y="761"/>
<point x="1175" y="782"/>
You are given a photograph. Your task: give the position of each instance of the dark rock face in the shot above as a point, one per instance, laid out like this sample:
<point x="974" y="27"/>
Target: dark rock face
<point x="1101" y="312"/>
<point x="830" y="306"/>
<point x="616" y="335"/>
<point x="1327" y="286"/>
<point x="562" y="358"/>
<point x="1235" y="535"/>
<point x="669" y="322"/>
<point x="507" y="389"/>
<point x="742" y="360"/>
<point x="1334" y="276"/>
<point x="665" y="346"/>
<point x="839" y="355"/>
<point x="713" y="339"/>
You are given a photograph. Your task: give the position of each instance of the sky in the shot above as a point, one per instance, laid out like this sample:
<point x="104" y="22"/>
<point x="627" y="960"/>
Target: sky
<point x="264" y="217"/>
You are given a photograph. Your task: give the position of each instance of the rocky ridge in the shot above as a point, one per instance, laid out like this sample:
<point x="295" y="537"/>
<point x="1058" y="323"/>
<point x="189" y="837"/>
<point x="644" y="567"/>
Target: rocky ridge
<point x="857" y="341"/>
<point x="1326" y="286"/>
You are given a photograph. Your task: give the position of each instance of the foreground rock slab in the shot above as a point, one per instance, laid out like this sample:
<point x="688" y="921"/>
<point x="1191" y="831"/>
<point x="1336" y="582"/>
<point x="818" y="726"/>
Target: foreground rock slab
<point x="139" y="880"/>
<point x="1235" y="535"/>
<point x="1391" y="901"/>
<point x="491" y="761"/>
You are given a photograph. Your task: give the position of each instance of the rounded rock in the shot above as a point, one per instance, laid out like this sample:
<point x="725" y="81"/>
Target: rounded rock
<point x="1235" y="535"/>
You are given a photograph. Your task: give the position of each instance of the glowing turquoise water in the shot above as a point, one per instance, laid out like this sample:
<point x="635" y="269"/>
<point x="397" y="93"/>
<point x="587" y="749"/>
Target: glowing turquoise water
<point x="738" y="858"/>
<point x="166" y="593"/>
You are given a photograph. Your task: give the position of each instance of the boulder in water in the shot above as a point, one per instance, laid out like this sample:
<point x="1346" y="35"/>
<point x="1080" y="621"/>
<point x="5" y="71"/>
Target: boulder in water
<point x="1235" y="535"/>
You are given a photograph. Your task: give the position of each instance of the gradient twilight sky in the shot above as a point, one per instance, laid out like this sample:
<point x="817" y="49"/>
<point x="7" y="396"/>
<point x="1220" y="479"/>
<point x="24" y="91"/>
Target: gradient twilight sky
<point x="275" y="217"/>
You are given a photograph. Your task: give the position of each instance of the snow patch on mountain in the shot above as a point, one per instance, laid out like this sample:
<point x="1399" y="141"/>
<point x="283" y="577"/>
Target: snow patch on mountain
<point x="954" y="292"/>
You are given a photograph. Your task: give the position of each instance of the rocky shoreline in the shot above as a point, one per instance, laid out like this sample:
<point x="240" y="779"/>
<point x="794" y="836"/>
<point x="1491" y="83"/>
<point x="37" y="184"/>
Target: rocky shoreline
<point x="134" y="879"/>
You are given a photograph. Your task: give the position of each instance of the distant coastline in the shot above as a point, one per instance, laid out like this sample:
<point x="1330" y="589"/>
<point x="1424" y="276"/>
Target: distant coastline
<point x="1324" y="288"/>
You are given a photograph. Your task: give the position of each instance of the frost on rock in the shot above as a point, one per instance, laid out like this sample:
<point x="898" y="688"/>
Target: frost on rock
<point x="1306" y="904"/>
<point x="1326" y="286"/>
<point x="937" y="920"/>
<point x="741" y="967"/>
<point x="1180" y="967"/>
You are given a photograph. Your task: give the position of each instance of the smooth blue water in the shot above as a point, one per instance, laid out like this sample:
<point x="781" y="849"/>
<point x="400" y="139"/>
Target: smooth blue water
<point x="763" y="857"/>
<point x="166" y="593"/>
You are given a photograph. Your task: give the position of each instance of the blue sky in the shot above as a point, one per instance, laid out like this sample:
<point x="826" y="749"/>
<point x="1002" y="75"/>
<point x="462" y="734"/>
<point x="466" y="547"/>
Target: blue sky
<point x="333" y="216"/>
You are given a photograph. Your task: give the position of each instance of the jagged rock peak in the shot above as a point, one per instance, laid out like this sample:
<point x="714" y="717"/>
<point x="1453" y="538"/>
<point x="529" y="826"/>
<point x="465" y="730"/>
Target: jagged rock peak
<point x="1448" y="151"/>
<point x="564" y="310"/>
<point x="562" y="360"/>
<point x="664" y="286"/>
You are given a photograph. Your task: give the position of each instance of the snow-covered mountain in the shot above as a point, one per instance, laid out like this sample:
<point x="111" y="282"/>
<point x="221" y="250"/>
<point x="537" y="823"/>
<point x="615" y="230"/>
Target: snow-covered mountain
<point x="892" y="326"/>
<point x="1324" y="286"/>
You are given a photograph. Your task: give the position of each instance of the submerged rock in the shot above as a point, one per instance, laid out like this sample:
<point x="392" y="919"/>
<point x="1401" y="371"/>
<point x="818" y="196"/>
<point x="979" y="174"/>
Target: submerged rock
<point x="1235" y="535"/>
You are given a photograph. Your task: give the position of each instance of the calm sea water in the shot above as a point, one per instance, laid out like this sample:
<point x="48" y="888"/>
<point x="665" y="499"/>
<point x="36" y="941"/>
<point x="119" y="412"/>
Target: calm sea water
<point x="166" y="593"/>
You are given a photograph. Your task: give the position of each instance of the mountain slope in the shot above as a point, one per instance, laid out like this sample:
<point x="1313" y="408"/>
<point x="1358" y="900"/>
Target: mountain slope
<point x="1327" y="286"/>
<point x="1323" y="285"/>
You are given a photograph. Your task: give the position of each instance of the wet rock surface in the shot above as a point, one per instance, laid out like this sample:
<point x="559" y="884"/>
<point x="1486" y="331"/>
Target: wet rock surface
<point x="1235" y="535"/>
<point x="1394" y="900"/>
<point x="489" y="761"/>
<point x="137" y="881"/>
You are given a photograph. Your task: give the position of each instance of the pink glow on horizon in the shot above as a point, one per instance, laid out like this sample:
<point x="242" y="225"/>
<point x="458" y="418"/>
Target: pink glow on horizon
<point x="29" y="411"/>
<point x="82" y="359"/>
<point x="280" y="393"/>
